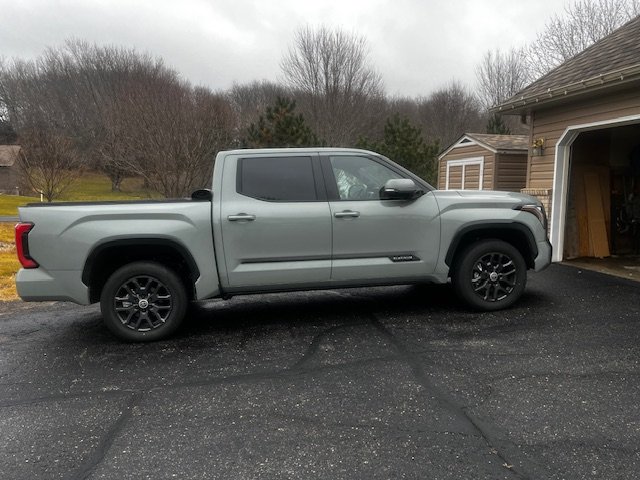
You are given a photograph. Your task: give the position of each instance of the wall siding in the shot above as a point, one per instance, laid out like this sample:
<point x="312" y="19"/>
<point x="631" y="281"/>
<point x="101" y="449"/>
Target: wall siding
<point x="551" y="124"/>
<point x="460" y="153"/>
<point x="511" y="172"/>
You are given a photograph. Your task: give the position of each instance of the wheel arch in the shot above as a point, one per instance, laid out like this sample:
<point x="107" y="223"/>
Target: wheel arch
<point x="514" y="233"/>
<point x="109" y="256"/>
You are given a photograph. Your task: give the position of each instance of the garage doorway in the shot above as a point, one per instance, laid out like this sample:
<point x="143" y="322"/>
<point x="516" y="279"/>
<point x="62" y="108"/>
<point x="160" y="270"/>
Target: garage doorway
<point x="602" y="209"/>
<point x="594" y="178"/>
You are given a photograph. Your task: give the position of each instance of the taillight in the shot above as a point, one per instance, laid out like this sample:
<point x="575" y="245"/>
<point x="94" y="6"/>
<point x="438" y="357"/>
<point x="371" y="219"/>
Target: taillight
<point x="22" y="245"/>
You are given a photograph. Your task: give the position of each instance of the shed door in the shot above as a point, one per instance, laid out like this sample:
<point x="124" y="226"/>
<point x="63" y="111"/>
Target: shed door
<point x="465" y="174"/>
<point x="454" y="177"/>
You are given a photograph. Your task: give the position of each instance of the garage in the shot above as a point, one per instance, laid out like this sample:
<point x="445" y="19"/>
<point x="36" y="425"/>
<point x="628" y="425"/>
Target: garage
<point x="584" y="121"/>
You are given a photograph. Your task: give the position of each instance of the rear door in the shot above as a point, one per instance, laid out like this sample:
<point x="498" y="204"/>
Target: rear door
<point x="378" y="240"/>
<point x="275" y="221"/>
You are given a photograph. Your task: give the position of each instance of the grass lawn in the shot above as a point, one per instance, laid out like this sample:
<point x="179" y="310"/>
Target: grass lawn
<point x="90" y="187"/>
<point x="95" y="186"/>
<point x="9" y="204"/>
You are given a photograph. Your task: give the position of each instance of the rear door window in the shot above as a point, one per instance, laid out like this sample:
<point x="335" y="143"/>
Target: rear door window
<point x="277" y="179"/>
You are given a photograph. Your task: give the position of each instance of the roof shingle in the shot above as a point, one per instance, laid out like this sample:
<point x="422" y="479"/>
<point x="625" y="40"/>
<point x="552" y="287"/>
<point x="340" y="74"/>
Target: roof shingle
<point x="615" y="52"/>
<point x="502" y="142"/>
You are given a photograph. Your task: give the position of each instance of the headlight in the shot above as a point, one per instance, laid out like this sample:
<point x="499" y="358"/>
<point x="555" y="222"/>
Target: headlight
<point x="537" y="210"/>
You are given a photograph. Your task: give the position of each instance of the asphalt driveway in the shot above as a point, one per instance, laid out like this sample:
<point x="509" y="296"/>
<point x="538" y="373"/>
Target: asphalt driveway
<point x="371" y="383"/>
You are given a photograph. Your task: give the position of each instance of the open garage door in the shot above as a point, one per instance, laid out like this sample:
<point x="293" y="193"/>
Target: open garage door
<point x="596" y="188"/>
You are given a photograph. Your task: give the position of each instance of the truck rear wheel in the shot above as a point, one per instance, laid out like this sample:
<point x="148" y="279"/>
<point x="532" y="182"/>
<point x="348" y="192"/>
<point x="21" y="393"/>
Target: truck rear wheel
<point x="143" y="302"/>
<point x="490" y="275"/>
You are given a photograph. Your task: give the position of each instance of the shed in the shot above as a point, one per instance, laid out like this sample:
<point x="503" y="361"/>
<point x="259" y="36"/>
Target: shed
<point x="9" y="174"/>
<point x="584" y="117"/>
<point x="499" y="160"/>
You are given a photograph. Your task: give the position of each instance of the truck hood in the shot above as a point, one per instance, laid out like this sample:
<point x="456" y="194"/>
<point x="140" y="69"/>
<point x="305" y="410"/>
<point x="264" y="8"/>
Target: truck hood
<point x="481" y="199"/>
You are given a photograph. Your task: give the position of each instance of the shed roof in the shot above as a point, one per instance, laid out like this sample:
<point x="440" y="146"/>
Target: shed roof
<point x="8" y="155"/>
<point x="611" y="61"/>
<point x="494" y="143"/>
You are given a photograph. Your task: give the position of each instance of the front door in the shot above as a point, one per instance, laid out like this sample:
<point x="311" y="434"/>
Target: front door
<point x="276" y="223"/>
<point x="378" y="240"/>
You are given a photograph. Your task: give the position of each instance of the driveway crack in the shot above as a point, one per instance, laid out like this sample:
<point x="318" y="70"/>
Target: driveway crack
<point x="89" y="465"/>
<point x="445" y="400"/>
<point x="314" y="346"/>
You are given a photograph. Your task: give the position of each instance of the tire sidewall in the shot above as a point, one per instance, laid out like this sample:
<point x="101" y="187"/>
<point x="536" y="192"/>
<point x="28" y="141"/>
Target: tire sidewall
<point x="167" y="277"/>
<point x="463" y="272"/>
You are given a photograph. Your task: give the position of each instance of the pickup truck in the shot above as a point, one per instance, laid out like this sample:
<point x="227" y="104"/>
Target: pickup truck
<point x="279" y="220"/>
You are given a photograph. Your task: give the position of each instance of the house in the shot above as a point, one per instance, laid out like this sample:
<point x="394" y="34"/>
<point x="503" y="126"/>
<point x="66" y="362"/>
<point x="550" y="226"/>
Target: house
<point x="484" y="162"/>
<point x="9" y="174"/>
<point x="584" y="158"/>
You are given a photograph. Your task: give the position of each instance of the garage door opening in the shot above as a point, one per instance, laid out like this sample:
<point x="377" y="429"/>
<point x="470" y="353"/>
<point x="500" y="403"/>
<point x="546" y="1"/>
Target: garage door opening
<point x="603" y="194"/>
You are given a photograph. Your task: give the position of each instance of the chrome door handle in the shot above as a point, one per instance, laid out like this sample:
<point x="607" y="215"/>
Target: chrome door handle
<point x="346" y="214"/>
<point x="241" y="216"/>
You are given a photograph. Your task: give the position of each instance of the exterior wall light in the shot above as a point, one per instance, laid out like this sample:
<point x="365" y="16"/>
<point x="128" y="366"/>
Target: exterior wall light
<point x="537" y="148"/>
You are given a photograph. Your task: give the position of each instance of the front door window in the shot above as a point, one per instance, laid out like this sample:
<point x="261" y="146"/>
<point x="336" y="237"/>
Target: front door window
<point x="360" y="178"/>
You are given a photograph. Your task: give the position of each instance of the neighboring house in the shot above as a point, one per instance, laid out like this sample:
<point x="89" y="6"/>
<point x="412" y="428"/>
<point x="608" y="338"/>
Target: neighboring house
<point x="484" y="162"/>
<point x="584" y="119"/>
<point x="9" y="174"/>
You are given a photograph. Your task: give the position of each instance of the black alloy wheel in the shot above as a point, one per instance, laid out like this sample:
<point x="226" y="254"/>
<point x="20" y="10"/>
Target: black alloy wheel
<point x="490" y="275"/>
<point x="143" y="301"/>
<point x="494" y="277"/>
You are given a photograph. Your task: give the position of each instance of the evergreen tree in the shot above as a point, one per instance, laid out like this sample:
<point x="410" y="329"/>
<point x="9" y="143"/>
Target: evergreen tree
<point x="403" y="143"/>
<point x="496" y="125"/>
<point x="281" y="127"/>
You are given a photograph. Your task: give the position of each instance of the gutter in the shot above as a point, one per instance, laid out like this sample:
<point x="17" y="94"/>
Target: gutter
<point x="605" y="80"/>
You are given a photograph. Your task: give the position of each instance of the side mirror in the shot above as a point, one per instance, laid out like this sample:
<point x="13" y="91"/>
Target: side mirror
<point x="400" y="189"/>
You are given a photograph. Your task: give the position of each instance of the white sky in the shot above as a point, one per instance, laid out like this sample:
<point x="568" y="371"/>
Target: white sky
<point x="417" y="45"/>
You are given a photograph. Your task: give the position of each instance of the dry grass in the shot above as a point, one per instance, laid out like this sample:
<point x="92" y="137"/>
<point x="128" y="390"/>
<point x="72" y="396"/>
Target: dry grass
<point x="9" y="264"/>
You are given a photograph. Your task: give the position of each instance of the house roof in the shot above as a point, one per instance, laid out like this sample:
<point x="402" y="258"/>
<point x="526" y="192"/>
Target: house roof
<point x="8" y="155"/>
<point x="612" y="61"/>
<point x="494" y="143"/>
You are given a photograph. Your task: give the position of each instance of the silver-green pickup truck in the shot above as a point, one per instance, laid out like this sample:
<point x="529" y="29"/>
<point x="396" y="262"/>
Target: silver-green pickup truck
<point x="278" y="220"/>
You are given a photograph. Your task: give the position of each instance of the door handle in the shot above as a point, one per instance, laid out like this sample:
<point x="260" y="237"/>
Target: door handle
<point x="241" y="216"/>
<point x="347" y="214"/>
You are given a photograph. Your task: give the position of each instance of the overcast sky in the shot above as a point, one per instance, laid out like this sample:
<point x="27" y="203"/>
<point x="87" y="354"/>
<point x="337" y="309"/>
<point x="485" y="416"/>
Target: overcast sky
<point x="417" y="45"/>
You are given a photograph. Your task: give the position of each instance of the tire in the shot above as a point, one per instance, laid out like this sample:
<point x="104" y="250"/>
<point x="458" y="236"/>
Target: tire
<point x="490" y="275"/>
<point x="143" y="302"/>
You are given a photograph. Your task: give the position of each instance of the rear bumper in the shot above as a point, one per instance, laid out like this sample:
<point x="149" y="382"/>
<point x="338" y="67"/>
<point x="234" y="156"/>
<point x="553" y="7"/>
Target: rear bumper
<point x="39" y="285"/>
<point x="543" y="260"/>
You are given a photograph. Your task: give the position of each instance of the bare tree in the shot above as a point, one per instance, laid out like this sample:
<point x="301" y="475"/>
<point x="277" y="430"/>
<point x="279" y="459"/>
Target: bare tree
<point x="449" y="112"/>
<point x="335" y="86"/>
<point x="99" y="81"/>
<point x="583" y="23"/>
<point x="48" y="162"/>
<point x="176" y="131"/>
<point x="501" y="75"/>
<point x="119" y="110"/>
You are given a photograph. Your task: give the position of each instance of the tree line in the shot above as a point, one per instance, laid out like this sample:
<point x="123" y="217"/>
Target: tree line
<point x="82" y="106"/>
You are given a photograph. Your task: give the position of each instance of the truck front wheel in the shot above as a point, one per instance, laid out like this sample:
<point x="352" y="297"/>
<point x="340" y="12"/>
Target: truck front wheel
<point x="490" y="275"/>
<point x="143" y="302"/>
